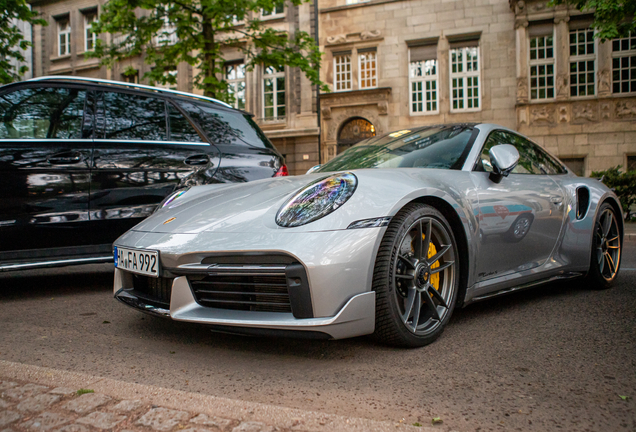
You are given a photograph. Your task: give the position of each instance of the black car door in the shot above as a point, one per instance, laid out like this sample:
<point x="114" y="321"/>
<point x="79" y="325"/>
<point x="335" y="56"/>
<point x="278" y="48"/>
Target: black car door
<point x="45" y="157"/>
<point x="144" y="149"/>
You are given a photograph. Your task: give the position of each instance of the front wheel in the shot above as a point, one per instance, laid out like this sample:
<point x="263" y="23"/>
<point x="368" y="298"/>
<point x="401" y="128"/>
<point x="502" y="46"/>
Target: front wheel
<point x="606" y="249"/>
<point x="416" y="277"/>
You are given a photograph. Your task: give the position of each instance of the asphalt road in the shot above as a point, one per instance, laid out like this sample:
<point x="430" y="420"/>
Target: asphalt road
<point x="550" y="358"/>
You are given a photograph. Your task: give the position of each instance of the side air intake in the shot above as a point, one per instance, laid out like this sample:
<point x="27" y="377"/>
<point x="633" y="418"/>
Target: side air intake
<point x="582" y="201"/>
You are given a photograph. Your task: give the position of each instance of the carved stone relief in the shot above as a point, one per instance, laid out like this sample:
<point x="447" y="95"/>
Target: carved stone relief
<point x="354" y="37"/>
<point x="542" y="115"/>
<point x="604" y="87"/>
<point x="606" y="110"/>
<point x="522" y="89"/>
<point x="337" y="39"/>
<point x="585" y="112"/>
<point x="370" y="34"/>
<point x="326" y="113"/>
<point x="564" y="114"/>
<point x="523" y="116"/>
<point x="562" y="86"/>
<point x="625" y="109"/>
<point x="383" y="108"/>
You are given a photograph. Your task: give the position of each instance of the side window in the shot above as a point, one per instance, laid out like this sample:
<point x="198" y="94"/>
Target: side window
<point x="180" y="127"/>
<point x="528" y="159"/>
<point x="226" y="127"/>
<point x="40" y="113"/>
<point x="134" y="117"/>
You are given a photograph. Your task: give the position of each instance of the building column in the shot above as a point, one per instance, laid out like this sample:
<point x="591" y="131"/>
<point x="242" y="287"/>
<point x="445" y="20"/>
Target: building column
<point x="562" y="54"/>
<point x="521" y="36"/>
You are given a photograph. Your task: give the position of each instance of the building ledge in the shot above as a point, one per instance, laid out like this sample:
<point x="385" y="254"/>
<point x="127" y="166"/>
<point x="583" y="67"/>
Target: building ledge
<point x="357" y="5"/>
<point x="292" y="133"/>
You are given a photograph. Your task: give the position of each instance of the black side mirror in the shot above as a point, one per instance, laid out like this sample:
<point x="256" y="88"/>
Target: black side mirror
<point x="504" y="158"/>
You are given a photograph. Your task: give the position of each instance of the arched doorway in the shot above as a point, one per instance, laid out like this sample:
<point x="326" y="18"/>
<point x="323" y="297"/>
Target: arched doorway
<point x="354" y="130"/>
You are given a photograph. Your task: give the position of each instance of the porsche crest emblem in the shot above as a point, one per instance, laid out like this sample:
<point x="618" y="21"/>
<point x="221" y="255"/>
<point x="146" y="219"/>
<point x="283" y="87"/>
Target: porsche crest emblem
<point x="169" y="220"/>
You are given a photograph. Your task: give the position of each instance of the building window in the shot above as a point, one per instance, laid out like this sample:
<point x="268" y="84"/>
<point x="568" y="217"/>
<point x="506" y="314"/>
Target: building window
<point x="582" y="63"/>
<point x="63" y="36"/>
<point x="624" y="65"/>
<point x="631" y="163"/>
<point x="423" y="79"/>
<point x="542" y="66"/>
<point x="464" y="78"/>
<point x="279" y="9"/>
<point x="90" y="38"/>
<point x="235" y="77"/>
<point x="130" y="76"/>
<point x="274" y="93"/>
<point x="342" y="71"/>
<point x="367" y="69"/>
<point x="575" y="164"/>
<point x="168" y="73"/>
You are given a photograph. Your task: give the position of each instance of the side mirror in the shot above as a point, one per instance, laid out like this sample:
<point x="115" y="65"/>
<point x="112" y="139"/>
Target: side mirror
<point x="312" y="169"/>
<point x="504" y="158"/>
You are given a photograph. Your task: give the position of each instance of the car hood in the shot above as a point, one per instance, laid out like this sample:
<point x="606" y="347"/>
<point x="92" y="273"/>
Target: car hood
<point x="252" y="207"/>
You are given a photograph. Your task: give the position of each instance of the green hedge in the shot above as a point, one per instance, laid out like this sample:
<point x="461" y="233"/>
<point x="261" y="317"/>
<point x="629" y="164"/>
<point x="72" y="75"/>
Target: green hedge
<point x="623" y="183"/>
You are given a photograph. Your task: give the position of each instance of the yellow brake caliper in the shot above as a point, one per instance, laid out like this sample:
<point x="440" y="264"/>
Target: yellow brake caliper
<point x="431" y="253"/>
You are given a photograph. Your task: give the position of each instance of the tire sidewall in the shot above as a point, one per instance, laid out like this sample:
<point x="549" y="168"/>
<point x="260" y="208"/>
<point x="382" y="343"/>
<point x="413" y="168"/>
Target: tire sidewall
<point x="594" y="277"/>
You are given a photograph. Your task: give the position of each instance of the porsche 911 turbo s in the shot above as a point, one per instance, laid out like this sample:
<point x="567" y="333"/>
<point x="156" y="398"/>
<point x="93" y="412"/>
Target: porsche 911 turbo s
<point x="386" y="239"/>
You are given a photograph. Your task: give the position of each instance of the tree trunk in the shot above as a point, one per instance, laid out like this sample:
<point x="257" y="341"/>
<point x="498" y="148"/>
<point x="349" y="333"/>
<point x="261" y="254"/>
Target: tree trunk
<point x="209" y="56"/>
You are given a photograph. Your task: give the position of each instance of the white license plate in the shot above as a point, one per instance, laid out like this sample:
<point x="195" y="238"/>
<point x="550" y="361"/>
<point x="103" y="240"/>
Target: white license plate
<point x="145" y="262"/>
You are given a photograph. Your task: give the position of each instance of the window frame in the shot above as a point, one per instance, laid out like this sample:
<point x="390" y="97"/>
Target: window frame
<point x="274" y="77"/>
<point x="336" y="74"/>
<point x="629" y="53"/>
<point x="464" y="75"/>
<point x="273" y="14"/>
<point x="424" y="79"/>
<point x="542" y="62"/>
<point x="66" y="33"/>
<point x="373" y="69"/>
<point x="234" y="82"/>
<point x="585" y="58"/>
<point x="88" y="34"/>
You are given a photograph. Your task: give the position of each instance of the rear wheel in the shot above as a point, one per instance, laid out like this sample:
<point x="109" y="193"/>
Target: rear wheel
<point x="416" y="277"/>
<point x="606" y="249"/>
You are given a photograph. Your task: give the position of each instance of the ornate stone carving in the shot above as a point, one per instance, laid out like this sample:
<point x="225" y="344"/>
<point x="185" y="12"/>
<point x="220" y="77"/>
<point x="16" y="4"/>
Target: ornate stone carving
<point x="542" y="114"/>
<point x="539" y="6"/>
<point x="521" y="22"/>
<point x="522" y="89"/>
<point x="606" y="109"/>
<point x="523" y="115"/>
<point x="345" y="114"/>
<point x="337" y="39"/>
<point x="562" y="86"/>
<point x="326" y="113"/>
<point x="604" y="87"/>
<point x="625" y="109"/>
<point x="564" y="114"/>
<point x="585" y="112"/>
<point x="383" y="108"/>
<point x="370" y="34"/>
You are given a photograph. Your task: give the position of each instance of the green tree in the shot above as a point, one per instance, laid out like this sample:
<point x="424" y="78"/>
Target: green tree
<point x="12" y="39"/>
<point x="612" y="18"/>
<point x="622" y="183"/>
<point x="167" y="32"/>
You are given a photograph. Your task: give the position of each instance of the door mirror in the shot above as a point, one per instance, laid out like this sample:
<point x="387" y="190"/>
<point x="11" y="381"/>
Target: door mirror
<point x="504" y="158"/>
<point x="312" y="169"/>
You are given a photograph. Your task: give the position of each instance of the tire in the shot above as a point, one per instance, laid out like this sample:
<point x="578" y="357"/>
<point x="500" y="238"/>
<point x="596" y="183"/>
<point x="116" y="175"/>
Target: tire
<point x="605" y="258"/>
<point x="416" y="292"/>
<point x="519" y="228"/>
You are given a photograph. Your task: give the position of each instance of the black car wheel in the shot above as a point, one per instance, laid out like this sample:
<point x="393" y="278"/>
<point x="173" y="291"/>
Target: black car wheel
<point x="416" y="277"/>
<point x="519" y="228"/>
<point x="606" y="249"/>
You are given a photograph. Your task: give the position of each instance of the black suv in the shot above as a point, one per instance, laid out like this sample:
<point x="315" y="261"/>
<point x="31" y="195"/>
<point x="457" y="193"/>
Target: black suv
<point x="83" y="160"/>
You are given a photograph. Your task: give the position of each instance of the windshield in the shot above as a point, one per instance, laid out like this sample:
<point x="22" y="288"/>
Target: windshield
<point x="442" y="147"/>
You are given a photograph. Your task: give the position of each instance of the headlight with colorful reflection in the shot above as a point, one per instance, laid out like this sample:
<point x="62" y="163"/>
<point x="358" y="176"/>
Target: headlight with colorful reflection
<point x="317" y="200"/>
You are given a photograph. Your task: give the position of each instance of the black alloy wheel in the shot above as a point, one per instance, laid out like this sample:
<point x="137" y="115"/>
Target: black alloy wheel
<point x="606" y="249"/>
<point x="416" y="277"/>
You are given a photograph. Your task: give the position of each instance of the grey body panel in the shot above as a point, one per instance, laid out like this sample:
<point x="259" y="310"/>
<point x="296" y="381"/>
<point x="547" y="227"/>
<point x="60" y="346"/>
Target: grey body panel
<point x="230" y="219"/>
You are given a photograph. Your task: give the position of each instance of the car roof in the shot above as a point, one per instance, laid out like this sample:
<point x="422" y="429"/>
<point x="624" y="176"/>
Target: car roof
<point x="123" y="85"/>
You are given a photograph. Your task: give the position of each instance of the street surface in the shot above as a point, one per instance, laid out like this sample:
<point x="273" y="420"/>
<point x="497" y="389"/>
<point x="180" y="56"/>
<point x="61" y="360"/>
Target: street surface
<point x="550" y="358"/>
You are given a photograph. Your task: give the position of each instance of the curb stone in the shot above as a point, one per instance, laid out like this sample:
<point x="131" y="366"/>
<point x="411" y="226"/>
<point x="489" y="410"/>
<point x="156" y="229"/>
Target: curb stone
<point x="126" y="407"/>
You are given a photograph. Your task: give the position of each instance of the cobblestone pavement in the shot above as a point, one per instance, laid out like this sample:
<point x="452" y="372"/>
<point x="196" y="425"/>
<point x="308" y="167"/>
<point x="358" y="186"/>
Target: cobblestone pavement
<point x="34" y="399"/>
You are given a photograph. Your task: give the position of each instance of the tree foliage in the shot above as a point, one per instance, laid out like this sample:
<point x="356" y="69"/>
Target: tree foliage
<point x="11" y="38"/>
<point x="622" y="183"/>
<point x="612" y="18"/>
<point x="167" y="32"/>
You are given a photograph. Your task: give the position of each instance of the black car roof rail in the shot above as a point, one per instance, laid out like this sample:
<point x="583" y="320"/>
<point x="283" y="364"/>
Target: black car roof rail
<point x="125" y="84"/>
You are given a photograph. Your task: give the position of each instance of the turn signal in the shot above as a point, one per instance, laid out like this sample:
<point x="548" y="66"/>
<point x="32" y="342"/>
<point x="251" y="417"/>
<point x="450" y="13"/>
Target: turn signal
<point x="282" y="172"/>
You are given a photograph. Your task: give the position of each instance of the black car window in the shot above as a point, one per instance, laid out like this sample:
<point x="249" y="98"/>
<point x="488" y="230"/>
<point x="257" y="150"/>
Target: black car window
<point x="226" y="127"/>
<point x="180" y="127"/>
<point x="134" y="117"/>
<point x="49" y="112"/>
<point x="532" y="159"/>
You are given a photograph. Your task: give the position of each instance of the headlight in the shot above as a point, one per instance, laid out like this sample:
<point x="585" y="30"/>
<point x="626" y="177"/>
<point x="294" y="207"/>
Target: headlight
<point x="317" y="200"/>
<point x="170" y="198"/>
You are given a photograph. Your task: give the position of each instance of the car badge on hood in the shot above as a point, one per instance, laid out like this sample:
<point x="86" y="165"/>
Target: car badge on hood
<point x="169" y="220"/>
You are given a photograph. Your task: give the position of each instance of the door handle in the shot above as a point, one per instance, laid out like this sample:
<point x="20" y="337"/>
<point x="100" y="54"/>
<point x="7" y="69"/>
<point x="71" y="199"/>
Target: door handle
<point x="556" y="200"/>
<point x="197" y="160"/>
<point x="65" y="158"/>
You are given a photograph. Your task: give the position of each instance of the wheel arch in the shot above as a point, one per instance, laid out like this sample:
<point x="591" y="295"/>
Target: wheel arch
<point x="460" y="237"/>
<point x="619" y="211"/>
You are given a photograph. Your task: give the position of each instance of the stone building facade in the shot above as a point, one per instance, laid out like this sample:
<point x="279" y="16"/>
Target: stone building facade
<point x="519" y="64"/>
<point x="397" y="64"/>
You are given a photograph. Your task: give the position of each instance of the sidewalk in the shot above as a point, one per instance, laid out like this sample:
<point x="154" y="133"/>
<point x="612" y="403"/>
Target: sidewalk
<point x="630" y="232"/>
<point x="34" y="398"/>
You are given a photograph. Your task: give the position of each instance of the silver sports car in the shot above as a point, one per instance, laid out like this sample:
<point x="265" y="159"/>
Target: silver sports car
<point x="387" y="238"/>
